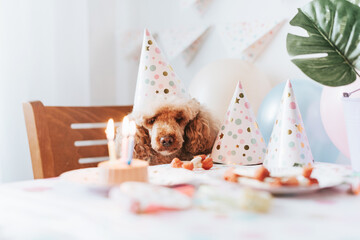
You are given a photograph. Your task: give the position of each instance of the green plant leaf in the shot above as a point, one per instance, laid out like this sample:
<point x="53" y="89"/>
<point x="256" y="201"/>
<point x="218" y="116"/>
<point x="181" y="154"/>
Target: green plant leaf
<point x="333" y="27"/>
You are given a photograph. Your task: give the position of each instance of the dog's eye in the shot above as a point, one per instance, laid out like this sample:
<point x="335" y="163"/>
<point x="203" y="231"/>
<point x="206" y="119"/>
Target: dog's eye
<point x="179" y="119"/>
<point x="151" y="121"/>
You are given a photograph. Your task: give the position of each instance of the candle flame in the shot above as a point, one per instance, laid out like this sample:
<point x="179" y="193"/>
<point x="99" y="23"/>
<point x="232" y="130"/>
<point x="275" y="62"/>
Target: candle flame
<point x="125" y="126"/>
<point x="110" y="129"/>
<point x="132" y="128"/>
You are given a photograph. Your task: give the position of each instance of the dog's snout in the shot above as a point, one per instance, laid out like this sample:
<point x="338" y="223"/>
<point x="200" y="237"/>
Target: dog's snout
<point x="167" y="141"/>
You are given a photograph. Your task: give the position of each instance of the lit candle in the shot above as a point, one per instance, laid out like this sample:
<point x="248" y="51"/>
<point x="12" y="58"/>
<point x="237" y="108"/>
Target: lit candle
<point x="132" y="131"/>
<point x="125" y="135"/>
<point x="110" y="134"/>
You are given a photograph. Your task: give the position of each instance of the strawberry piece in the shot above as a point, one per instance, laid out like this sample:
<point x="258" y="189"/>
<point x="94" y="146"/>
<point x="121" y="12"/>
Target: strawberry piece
<point x="307" y="170"/>
<point x="207" y="163"/>
<point x="261" y="173"/>
<point x="188" y="166"/>
<point x="176" y="163"/>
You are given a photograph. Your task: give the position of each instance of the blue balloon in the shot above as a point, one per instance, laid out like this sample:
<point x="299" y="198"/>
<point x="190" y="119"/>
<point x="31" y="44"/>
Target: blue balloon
<point x="308" y="94"/>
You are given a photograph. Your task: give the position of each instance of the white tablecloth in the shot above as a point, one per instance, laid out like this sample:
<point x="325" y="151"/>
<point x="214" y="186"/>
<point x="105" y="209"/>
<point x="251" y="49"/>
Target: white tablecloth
<point x="52" y="209"/>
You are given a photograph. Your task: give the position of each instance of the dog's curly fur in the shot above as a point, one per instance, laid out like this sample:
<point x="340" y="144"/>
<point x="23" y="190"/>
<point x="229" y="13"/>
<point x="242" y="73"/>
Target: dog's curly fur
<point x="190" y="125"/>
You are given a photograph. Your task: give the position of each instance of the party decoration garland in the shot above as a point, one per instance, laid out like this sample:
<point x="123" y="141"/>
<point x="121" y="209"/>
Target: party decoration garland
<point x="185" y="41"/>
<point x="248" y="39"/>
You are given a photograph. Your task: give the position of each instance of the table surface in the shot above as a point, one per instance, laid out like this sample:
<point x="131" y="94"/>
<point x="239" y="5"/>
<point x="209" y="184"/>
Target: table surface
<point x="54" y="209"/>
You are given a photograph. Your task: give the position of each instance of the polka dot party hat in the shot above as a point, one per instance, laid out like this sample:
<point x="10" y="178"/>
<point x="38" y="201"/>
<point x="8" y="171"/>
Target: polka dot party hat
<point x="288" y="144"/>
<point x="156" y="78"/>
<point x="239" y="140"/>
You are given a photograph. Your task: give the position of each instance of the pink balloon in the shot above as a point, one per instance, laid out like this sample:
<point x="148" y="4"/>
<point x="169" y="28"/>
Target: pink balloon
<point x="332" y="114"/>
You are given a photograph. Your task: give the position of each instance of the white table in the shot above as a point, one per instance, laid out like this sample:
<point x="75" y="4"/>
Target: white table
<point x="52" y="209"/>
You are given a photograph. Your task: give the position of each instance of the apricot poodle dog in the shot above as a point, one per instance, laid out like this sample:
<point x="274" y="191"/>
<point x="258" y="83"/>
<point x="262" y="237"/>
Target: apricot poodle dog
<point x="176" y="127"/>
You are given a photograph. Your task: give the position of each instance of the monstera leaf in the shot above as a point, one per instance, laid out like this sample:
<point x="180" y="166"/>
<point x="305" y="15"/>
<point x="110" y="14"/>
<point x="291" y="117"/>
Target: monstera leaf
<point x="333" y="27"/>
<point x="356" y="2"/>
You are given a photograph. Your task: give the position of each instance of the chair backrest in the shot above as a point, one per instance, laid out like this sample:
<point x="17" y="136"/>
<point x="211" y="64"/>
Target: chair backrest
<point x="61" y="138"/>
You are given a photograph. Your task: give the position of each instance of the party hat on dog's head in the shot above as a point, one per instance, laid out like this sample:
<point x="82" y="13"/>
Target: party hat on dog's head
<point x="156" y="78"/>
<point x="288" y="145"/>
<point x="239" y="140"/>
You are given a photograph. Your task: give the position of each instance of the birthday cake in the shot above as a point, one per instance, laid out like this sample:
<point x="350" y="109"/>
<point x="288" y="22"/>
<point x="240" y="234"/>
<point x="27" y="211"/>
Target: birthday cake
<point x="117" y="172"/>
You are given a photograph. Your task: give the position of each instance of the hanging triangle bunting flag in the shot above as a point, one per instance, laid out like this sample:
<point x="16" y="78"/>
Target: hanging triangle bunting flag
<point x="247" y="40"/>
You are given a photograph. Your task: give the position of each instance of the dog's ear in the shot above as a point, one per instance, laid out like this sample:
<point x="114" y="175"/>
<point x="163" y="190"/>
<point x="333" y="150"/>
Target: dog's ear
<point x="200" y="133"/>
<point x="142" y="141"/>
<point x="142" y="148"/>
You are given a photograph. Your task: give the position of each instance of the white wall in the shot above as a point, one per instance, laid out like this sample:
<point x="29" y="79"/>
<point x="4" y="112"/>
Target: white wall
<point x="44" y="55"/>
<point x="67" y="52"/>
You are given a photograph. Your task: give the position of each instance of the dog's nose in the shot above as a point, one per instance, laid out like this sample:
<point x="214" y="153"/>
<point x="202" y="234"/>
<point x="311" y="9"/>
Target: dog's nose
<point x="166" y="141"/>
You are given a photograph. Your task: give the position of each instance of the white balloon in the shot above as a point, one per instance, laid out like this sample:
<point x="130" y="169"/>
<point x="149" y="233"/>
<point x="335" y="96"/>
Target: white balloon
<point x="214" y="85"/>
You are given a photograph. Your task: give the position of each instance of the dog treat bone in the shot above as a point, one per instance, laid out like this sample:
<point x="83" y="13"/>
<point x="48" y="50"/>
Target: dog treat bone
<point x="225" y="198"/>
<point x="291" y="181"/>
<point x="197" y="161"/>
<point x="261" y="174"/>
<point x="203" y="156"/>
<point x="230" y="176"/>
<point x="148" y="198"/>
<point x="116" y="172"/>
<point x="275" y="182"/>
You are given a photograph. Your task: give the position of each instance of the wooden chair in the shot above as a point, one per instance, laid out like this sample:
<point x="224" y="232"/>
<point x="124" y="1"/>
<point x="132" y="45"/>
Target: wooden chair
<point x="54" y="133"/>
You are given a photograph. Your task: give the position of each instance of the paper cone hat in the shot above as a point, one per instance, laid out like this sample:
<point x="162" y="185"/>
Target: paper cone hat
<point x="239" y="140"/>
<point x="156" y="78"/>
<point x="288" y="145"/>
